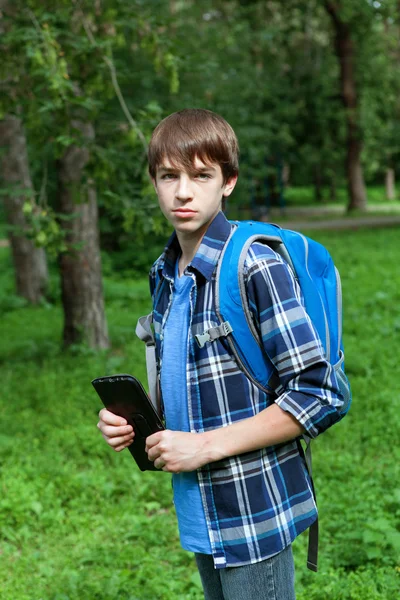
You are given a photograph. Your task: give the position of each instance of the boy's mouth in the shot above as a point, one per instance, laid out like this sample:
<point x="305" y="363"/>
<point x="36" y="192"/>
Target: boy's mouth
<point x="184" y="212"/>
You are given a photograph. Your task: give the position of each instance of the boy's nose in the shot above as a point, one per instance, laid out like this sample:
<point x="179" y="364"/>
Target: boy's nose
<point x="183" y="190"/>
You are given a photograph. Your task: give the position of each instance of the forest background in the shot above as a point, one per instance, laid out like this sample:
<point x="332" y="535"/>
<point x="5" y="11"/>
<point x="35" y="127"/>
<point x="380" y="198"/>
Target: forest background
<point x="312" y="90"/>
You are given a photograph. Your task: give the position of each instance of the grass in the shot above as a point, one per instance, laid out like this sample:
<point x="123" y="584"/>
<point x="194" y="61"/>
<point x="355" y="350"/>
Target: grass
<point x="304" y="196"/>
<point x="299" y="203"/>
<point x="79" y="522"/>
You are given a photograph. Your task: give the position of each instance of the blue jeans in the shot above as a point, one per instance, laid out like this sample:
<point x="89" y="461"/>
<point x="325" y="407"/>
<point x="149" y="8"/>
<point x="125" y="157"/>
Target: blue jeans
<point x="271" y="579"/>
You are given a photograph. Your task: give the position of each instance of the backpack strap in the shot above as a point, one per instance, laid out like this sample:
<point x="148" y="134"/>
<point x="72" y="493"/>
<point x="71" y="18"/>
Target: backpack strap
<point x="313" y="531"/>
<point x="144" y="332"/>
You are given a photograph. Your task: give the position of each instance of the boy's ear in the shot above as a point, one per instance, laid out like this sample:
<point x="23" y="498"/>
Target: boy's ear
<point x="230" y="186"/>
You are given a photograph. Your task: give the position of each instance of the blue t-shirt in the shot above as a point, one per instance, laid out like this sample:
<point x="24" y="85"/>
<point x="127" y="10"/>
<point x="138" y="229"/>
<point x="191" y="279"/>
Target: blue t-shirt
<point x="187" y="499"/>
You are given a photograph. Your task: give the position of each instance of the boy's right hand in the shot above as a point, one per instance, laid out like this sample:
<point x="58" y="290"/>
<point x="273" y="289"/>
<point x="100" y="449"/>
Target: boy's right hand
<point x="115" y="430"/>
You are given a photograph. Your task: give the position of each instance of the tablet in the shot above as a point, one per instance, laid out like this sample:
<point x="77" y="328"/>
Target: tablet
<point x="125" y="396"/>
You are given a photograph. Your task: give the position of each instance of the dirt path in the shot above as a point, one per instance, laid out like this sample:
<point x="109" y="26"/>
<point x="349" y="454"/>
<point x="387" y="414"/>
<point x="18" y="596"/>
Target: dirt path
<point x="344" y="223"/>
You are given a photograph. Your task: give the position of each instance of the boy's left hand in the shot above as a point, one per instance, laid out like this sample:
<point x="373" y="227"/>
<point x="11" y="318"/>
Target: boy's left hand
<point x="177" y="451"/>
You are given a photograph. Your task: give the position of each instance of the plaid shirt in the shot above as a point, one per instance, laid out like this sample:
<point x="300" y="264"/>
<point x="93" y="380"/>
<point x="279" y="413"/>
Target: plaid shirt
<point x="255" y="503"/>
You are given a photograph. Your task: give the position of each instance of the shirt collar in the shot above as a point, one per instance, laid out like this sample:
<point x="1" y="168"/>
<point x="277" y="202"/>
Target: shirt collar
<point x="207" y="255"/>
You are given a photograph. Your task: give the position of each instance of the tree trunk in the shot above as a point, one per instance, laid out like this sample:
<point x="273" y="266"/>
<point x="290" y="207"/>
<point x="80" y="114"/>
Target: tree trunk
<point x="80" y="267"/>
<point x="286" y="174"/>
<point x="390" y="184"/>
<point x="344" y="48"/>
<point x="30" y="265"/>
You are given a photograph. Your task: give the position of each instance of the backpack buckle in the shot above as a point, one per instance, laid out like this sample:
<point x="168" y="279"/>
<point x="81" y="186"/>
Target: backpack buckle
<point x="213" y="334"/>
<point x="202" y="339"/>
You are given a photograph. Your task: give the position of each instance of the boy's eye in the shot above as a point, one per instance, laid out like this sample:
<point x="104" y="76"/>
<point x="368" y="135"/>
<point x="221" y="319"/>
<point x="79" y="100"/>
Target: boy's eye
<point x="168" y="176"/>
<point x="203" y="176"/>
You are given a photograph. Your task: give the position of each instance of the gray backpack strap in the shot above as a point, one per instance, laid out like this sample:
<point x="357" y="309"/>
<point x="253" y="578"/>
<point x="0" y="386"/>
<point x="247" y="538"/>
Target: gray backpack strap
<point x="145" y="333"/>
<point x="313" y="532"/>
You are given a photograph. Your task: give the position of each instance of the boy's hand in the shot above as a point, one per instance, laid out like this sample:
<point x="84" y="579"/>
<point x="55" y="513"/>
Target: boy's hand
<point x="115" y="430"/>
<point x="177" y="451"/>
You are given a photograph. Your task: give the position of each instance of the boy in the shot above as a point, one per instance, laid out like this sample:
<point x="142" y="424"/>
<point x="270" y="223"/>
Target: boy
<point x="241" y="489"/>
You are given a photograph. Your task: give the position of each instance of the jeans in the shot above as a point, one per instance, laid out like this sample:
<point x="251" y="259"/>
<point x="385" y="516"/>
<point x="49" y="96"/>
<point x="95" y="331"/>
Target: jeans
<point x="271" y="579"/>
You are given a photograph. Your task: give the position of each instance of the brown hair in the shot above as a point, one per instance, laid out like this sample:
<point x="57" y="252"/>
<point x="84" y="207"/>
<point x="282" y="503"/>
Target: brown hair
<point x="191" y="133"/>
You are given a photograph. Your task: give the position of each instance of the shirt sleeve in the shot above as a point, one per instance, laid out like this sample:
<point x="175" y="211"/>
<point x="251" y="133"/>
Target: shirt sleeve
<point x="305" y="382"/>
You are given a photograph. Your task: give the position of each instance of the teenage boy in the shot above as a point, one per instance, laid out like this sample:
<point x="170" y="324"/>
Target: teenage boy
<point x="241" y="488"/>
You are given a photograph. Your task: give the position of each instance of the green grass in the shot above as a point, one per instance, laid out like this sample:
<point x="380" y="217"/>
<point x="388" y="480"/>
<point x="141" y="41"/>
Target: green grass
<point x="305" y="196"/>
<point x="299" y="204"/>
<point x="79" y="522"/>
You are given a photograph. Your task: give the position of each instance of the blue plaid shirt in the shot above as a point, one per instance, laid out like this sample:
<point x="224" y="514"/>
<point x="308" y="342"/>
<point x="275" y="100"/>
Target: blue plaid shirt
<point x="255" y="503"/>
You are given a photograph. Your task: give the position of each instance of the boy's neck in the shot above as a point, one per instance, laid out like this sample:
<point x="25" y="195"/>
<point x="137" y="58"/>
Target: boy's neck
<point x="190" y="241"/>
<point x="189" y="246"/>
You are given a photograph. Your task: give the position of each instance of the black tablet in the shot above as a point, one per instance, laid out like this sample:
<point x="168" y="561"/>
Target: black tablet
<point x="125" y="396"/>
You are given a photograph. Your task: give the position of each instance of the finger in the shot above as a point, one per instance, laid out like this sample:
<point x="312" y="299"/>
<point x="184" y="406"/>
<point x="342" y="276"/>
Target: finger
<point x="153" y="453"/>
<point x="111" y="431"/>
<point x="153" y="439"/>
<point x="114" y="442"/>
<point x="111" y="419"/>
<point x="168" y="470"/>
<point x="122" y="447"/>
<point x="159" y="463"/>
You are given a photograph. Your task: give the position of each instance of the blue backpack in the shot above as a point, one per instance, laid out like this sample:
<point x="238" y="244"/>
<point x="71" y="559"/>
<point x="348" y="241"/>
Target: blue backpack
<point x="319" y="281"/>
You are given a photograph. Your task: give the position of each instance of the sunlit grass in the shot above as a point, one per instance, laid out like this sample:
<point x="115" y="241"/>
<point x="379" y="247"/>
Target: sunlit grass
<point x="79" y="522"/>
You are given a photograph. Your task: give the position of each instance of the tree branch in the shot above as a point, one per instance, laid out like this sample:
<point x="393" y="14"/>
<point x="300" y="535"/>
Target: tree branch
<point x="114" y="79"/>
<point x="333" y="8"/>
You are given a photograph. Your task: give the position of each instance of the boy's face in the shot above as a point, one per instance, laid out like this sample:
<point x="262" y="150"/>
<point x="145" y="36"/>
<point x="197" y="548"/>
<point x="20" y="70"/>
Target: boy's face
<point x="191" y="200"/>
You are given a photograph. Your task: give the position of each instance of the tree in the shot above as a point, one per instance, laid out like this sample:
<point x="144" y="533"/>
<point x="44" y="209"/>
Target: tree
<point x="80" y="261"/>
<point x="68" y="70"/>
<point x="30" y="265"/>
<point x="76" y="205"/>
<point x="346" y="53"/>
